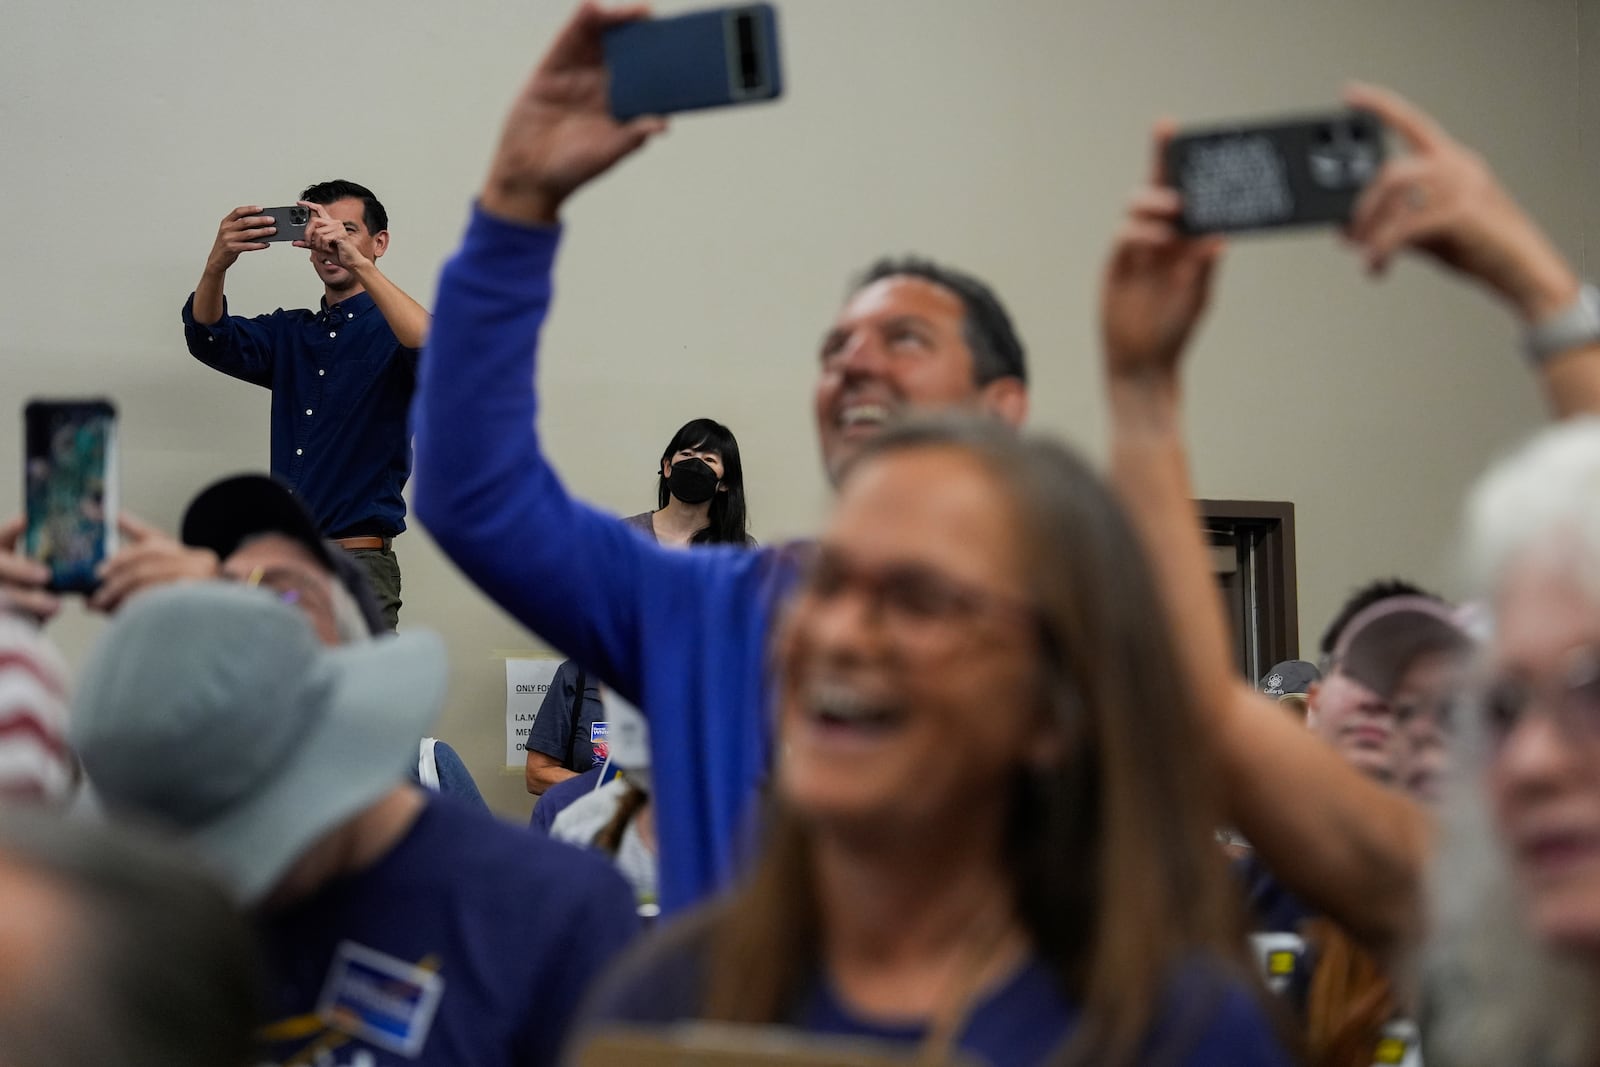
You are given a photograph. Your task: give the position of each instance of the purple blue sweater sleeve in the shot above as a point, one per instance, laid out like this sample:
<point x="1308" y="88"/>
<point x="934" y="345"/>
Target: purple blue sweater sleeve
<point x="680" y="634"/>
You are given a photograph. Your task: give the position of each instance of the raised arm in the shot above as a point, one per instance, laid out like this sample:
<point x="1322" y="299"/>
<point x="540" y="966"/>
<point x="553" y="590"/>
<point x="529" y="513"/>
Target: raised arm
<point x="1441" y="199"/>
<point x="481" y="484"/>
<point x="1343" y="843"/>
<point x="241" y="230"/>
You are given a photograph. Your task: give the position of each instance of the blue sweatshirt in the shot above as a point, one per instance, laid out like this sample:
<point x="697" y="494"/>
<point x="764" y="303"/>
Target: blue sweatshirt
<point x="1208" y="1015"/>
<point x="682" y="635"/>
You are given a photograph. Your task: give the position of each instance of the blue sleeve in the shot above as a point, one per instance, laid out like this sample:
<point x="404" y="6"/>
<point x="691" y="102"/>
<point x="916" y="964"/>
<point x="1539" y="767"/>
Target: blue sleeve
<point x="544" y="813"/>
<point x="235" y="346"/>
<point x="576" y="576"/>
<point x="680" y="635"/>
<point x="454" y="778"/>
<point x="551" y="734"/>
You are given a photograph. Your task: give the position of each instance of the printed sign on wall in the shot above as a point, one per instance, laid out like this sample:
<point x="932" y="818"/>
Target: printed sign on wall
<point x="527" y="681"/>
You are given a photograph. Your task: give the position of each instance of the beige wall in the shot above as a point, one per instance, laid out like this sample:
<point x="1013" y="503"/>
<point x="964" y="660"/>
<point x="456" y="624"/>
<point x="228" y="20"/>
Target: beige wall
<point x="1001" y="136"/>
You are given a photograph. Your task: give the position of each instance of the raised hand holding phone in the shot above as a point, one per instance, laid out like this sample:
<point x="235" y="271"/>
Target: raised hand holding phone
<point x="244" y="229"/>
<point x="1157" y="281"/>
<point x="22" y="580"/>
<point x="560" y="133"/>
<point x="1442" y="199"/>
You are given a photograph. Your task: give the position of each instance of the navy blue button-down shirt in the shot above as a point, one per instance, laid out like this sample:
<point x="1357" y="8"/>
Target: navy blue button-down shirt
<point x="341" y="390"/>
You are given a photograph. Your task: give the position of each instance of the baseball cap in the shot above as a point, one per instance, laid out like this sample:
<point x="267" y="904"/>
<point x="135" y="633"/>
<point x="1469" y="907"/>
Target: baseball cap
<point x="1292" y="677"/>
<point x="230" y="512"/>
<point x="212" y="709"/>
<point x="1380" y="643"/>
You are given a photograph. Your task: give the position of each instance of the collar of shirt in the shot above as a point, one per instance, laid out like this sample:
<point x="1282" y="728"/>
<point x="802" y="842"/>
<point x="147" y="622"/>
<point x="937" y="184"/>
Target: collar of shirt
<point x="349" y="308"/>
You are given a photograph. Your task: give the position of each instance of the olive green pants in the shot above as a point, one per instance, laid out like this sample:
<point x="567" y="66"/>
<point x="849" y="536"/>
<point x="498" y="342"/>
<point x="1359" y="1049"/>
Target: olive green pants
<point x="383" y="575"/>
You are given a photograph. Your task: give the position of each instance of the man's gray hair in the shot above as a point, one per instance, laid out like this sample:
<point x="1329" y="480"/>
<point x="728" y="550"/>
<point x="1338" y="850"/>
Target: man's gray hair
<point x="157" y="968"/>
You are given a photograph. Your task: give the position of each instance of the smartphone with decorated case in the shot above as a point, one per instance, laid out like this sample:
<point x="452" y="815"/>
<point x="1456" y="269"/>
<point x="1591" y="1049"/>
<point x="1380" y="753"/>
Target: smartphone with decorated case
<point x="70" y="488"/>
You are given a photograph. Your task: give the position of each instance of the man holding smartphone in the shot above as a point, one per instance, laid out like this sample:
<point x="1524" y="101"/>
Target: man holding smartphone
<point x="681" y="635"/>
<point x="341" y="375"/>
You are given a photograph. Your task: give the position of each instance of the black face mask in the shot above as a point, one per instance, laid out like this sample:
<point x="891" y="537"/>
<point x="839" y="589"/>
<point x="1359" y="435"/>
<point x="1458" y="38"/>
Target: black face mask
<point x="692" y="481"/>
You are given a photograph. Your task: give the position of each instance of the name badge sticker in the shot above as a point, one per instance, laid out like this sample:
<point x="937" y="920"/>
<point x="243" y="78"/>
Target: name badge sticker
<point x="382" y="1000"/>
<point x="598" y="732"/>
<point x="1279" y="955"/>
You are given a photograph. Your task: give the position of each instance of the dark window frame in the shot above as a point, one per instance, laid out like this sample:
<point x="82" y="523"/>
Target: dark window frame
<point x="1264" y="533"/>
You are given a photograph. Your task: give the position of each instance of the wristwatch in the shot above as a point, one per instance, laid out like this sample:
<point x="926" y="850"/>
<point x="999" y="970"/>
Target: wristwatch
<point x="1576" y="326"/>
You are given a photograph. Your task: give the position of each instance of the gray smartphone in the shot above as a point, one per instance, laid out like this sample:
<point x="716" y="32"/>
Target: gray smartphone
<point x="290" y="221"/>
<point x="1304" y="171"/>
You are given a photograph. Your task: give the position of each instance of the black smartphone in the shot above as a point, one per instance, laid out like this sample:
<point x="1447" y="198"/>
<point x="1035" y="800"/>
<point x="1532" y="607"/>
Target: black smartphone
<point x="290" y="221"/>
<point x="70" y="475"/>
<point x="703" y="59"/>
<point x="1293" y="172"/>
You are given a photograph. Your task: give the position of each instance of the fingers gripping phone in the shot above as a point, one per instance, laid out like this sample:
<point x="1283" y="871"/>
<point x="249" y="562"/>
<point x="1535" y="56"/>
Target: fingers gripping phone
<point x="704" y="59"/>
<point x="70" y="475"/>
<point x="1293" y="172"/>
<point x="290" y="222"/>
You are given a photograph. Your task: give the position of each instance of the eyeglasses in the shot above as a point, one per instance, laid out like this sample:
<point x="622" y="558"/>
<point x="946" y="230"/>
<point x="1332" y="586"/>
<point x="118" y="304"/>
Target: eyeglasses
<point x="914" y="599"/>
<point x="1573" y="697"/>
<point x="302" y="590"/>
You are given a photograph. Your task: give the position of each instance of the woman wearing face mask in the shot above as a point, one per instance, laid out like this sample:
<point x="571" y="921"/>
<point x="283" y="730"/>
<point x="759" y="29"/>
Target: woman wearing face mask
<point x="992" y="828"/>
<point x="701" y="491"/>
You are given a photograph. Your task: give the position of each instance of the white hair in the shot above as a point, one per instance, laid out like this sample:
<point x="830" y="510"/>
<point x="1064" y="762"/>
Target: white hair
<point x="1548" y="490"/>
<point x="1494" y="994"/>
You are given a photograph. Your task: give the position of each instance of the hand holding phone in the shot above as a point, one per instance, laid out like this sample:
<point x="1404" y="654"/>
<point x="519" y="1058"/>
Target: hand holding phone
<point x="559" y="134"/>
<point x="1262" y="176"/>
<point x="704" y="59"/>
<point x="244" y="229"/>
<point x="1443" y="200"/>
<point x="70" y="450"/>
<point x="22" y="580"/>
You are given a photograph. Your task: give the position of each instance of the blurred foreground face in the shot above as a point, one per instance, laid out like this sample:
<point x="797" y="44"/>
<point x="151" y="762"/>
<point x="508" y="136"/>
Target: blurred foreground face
<point x="1358" y="723"/>
<point x="1543" y="713"/>
<point x="910" y="673"/>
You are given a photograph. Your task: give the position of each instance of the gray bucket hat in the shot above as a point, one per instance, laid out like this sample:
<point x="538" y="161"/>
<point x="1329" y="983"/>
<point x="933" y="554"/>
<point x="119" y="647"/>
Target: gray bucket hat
<point x="213" y="710"/>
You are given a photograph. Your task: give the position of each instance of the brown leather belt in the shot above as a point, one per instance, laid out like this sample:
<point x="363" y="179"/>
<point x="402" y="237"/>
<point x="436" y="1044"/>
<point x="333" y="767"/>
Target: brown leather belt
<point x="355" y="544"/>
